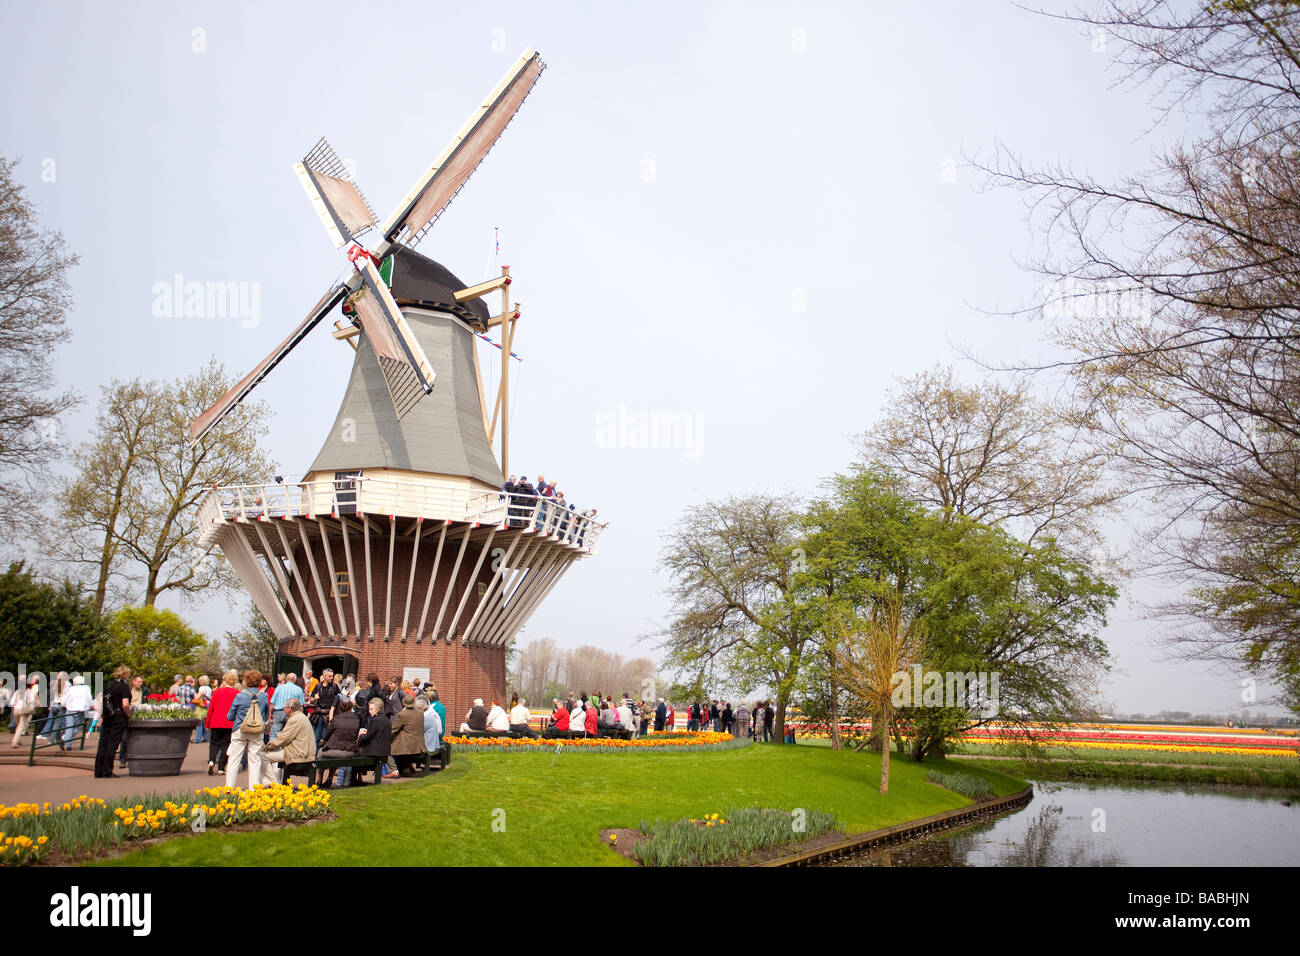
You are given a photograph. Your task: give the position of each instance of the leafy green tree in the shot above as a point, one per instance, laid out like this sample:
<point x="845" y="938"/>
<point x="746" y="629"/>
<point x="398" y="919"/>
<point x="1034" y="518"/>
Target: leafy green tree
<point x="891" y="585"/>
<point x="155" y="644"/>
<point x="48" y="628"/>
<point x="737" y="620"/>
<point x="209" y="658"/>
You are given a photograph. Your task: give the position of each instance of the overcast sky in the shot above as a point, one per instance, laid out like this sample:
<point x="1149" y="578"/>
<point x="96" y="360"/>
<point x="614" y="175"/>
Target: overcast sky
<point x="745" y="218"/>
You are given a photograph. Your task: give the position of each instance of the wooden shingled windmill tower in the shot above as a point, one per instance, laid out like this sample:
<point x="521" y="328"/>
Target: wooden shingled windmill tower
<point x="397" y="550"/>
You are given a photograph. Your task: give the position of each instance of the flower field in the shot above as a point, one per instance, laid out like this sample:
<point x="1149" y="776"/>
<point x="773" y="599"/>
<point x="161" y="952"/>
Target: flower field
<point x="89" y="825"/>
<point x="1130" y="739"/>
<point x="693" y="741"/>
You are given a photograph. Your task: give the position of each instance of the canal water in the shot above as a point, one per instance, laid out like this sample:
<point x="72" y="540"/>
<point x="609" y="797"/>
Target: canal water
<point x="1073" y="824"/>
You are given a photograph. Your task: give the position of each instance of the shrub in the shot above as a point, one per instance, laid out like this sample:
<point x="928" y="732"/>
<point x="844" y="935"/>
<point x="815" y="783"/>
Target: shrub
<point x="963" y="783"/>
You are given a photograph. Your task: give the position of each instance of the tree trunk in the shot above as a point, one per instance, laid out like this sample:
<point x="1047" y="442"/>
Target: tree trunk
<point x="780" y="718"/>
<point x="884" y="760"/>
<point x="878" y="736"/>
<point x="835" y="716"/>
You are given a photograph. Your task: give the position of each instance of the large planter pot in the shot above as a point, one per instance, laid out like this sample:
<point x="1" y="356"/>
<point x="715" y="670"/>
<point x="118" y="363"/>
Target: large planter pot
<point x="157" y="748"/>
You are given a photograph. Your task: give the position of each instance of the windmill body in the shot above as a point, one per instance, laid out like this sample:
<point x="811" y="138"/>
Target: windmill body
<point x="398" y="553"/>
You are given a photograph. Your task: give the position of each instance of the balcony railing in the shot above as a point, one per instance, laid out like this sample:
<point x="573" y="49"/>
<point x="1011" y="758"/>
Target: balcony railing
<point x="390" y="496"/>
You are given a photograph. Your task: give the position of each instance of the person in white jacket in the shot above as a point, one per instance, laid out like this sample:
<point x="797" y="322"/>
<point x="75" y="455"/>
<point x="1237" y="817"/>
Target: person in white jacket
<point x="497" y="718"/>
<point x="77" y="702"/>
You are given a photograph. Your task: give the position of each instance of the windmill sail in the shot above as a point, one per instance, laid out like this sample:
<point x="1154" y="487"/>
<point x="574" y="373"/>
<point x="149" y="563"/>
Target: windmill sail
<point x="222" y="407"/>
<point x="407" y="370"/>
<point x="343" y="210"/>
<point x="441" y="181"/>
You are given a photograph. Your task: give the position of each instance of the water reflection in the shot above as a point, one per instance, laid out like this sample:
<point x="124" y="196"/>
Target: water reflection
<point x="1132" y="825"/>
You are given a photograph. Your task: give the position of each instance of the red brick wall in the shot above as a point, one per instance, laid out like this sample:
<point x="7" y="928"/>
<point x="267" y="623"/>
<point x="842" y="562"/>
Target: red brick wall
<point x="461" y="672"/>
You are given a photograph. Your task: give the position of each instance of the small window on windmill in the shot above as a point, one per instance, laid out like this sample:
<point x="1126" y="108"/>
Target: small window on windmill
<point x="341" y="584"/>
<point x="482" y="589"/>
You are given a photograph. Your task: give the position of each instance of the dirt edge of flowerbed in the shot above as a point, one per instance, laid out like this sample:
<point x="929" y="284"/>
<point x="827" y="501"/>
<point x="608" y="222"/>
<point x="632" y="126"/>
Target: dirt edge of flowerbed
<point x="60" y="858"/>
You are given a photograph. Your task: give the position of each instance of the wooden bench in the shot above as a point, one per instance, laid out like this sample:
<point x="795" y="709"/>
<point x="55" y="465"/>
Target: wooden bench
<point x="432" y="760"/>
<point x="310" y="770"/>
<point x="426" y="762"/>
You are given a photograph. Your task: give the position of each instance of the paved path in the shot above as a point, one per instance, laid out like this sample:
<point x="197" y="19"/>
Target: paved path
<point x="20" y="783"/>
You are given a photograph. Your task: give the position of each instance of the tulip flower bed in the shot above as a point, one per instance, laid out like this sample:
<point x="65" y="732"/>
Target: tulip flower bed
<point x="679" y="741"/>
<point x="1186" y="743"/>
<point x="719" y="838"/>
<point x="89" y="826"/>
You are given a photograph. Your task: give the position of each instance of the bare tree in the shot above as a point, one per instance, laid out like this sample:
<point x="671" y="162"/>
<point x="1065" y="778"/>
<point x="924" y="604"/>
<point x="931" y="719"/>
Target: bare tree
<point x="34" y="301"/>
<point x="991" y="452"/>
<point x="545" y="669"/>
<point x="93" y="507"/>
<point x="130" y="512"/>
<point x="882" y="646"/>
<point x="1173" y="295"/>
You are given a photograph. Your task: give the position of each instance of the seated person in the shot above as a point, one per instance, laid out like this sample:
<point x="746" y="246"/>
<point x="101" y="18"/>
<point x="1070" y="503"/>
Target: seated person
<point x="591" y="719"/>
<point x="407" y="740"/>
<point x="432" y="724"/>
<point x="375" y="740"/>
<point x="559" y="722"/>
<point x="578" y="718"/>
<point x="625" y="716"/>
<point x="476" y="719"/>
<point x="608" y="717"/>
<point x="295" y="743"/>
<point x="497" y="719"/>
<point x="519" y="717"/>
<point x="340" y="740"/>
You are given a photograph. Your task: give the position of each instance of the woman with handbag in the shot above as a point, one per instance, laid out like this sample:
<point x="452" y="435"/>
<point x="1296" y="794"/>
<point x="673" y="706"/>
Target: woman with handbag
<point x="249" y="715"/>
<point x="202" y="699"/>
<point x="25" y="703"/>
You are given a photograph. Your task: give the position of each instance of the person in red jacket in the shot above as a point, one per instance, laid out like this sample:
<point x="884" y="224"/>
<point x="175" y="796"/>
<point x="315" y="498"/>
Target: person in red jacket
<point x="559" y="720"/>
<point x="219" y="727"/>
<point x="590" y="717"/>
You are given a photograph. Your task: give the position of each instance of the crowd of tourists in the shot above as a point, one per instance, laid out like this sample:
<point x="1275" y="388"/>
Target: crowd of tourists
<point x="756" y="723"/>
<point x="598" y="715"/>
<point x="256" y="723"/>
<point x="72" y="708"/>
<point x="553" y="512"/>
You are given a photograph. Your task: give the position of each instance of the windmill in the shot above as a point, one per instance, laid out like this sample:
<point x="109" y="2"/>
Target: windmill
<point x="397" y="552"/>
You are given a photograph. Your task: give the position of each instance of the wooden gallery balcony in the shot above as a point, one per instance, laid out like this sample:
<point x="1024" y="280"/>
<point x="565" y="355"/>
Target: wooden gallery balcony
<point x="365" y="559"/>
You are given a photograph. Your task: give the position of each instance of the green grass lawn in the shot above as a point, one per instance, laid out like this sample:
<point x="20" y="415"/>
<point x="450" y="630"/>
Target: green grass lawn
<point x="553" y="815"/>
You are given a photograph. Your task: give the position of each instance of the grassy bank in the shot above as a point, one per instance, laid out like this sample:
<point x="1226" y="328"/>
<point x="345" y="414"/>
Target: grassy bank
<point x="520" y="810"/>
<point x="1282" y="777"/>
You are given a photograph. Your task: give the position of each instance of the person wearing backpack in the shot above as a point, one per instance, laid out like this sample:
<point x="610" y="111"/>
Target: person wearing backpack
<point x="249" y="724"/>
